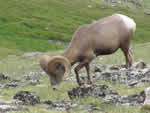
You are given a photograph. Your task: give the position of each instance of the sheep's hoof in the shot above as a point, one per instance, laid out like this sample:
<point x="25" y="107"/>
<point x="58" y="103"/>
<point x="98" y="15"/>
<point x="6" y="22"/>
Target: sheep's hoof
<point x="80" y="83"/>
<point x="87" y="85"/>
<point x="125" y="66"/>
<point x="89" y="82"/>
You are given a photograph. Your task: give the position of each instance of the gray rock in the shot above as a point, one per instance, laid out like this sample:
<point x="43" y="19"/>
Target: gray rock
<point x="3" y="77"/>
<point x="6" y="108"/>
<point x="11" y="85"/>
<point x="32" y="54"/>
<point x="8" y="102"/>
<point x="131" y="100"/>
<point x="115" y="68"/>
<point x="90" y="108"/>
<point x="1" y="86"/>
<point x="141" y="65"/>
<point x="133" y="83"/>
<point x="136" y="75"/>
<point x="89" y="6"/>
<point x="10" y="105"/>
<point x="134" y="2"/>
<point x="102" y="7"/>
<point x="33" y="76"/>
<point x="147" y="12"/>
<point x="28" y="98"/>
<point x="60" y="105"/>
<point x="99" y="91"/>
<point x="97" y="69"/>
<point x="34" y="82"/>
<point x="59" y="42"/>
<point x="147" y="99"/>
<point x="48" y="102"/>
<point x="107" y="95"/>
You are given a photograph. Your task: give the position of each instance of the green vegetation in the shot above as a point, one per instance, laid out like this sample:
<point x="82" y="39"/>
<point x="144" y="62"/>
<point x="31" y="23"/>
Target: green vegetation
<point x="27" y="25"/>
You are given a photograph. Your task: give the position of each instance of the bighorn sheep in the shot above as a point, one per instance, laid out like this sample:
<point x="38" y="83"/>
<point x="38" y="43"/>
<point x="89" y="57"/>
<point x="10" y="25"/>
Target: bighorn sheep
<point x="102" y="37"/>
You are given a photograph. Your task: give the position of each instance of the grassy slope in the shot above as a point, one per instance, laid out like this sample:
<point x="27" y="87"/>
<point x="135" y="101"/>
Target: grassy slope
<point x="26" y="25"/>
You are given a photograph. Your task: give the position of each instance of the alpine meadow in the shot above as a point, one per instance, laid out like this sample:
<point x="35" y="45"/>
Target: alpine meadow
<point x="31" y="28"/>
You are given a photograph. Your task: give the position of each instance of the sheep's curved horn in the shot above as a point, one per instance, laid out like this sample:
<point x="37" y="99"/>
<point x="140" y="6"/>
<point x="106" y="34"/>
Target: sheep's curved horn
<point x="61" y="60"/>
<point x="44" y="59"/>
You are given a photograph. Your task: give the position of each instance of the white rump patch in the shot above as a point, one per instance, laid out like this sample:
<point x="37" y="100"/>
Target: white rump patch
<point x="128" y="21"/>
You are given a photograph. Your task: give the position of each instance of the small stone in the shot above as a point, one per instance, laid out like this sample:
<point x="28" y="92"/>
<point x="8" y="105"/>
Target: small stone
<point x="89" y="6"/>
<point x="6" y="102"/>
<point x="11" y="85"/>
<point x="1" y="86"/>
<point x="141" y="65"/>
<point x="34" y="82"/>
<point x="62" y="105"/>
<point x="114" y="68"/>
<point x="32" y="54"/>
<point x="102" y="7"/>
<point x="48" y="102"/>
<point x="5" y="108"/>
<point x="3" y="77"/>
<point x="97" y="69"/>
<point x="35" y="76"/>
<point x="147" y="99"/>
<point x="133" y="83"/>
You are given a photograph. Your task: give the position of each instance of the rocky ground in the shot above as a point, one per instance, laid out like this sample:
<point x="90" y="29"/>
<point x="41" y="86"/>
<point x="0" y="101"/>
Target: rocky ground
<point x="137" y="75"/>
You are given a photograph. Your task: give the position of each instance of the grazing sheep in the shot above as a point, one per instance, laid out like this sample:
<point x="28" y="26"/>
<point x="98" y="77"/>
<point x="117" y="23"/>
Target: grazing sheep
<point x="102" y="37"/>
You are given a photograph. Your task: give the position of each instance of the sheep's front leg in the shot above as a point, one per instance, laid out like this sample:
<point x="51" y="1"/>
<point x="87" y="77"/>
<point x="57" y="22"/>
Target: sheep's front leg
<point x="88" y="73"/>
<point x="77" y="69"/>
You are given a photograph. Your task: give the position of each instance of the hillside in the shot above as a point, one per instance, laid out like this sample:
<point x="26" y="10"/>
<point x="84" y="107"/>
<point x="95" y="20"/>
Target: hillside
<point x="30" y="28"/>
<point x="27" y="25"/>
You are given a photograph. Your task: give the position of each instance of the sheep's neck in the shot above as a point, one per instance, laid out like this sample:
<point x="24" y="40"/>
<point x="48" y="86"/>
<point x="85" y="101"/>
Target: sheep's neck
<point x="70" y="55"/>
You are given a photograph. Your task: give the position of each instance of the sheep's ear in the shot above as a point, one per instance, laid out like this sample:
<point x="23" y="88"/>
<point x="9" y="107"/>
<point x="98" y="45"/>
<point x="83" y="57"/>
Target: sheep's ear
<point x="62" y="64"/>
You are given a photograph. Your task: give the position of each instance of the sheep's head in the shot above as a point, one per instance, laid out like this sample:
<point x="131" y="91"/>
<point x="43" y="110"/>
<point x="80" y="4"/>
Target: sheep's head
<point x="57" y="67"/>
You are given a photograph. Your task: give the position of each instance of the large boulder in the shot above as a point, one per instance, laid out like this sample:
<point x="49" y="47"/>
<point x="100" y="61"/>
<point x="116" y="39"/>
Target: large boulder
<point x="28" y="98"/>
<point x="100" y="91"/>
<point x="107" y="95"/>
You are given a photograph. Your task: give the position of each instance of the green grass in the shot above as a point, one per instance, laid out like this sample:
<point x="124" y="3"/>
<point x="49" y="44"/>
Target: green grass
<point x="27" y="25"/>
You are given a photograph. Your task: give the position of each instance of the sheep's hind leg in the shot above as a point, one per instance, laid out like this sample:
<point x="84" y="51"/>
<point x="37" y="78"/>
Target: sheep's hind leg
<point x="127" y="53"/>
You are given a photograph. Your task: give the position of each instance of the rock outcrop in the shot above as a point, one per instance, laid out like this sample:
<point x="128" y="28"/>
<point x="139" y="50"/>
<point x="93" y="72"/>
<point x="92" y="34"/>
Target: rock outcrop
<point x="28" y="98"/>
<point x="108" y="95"/>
